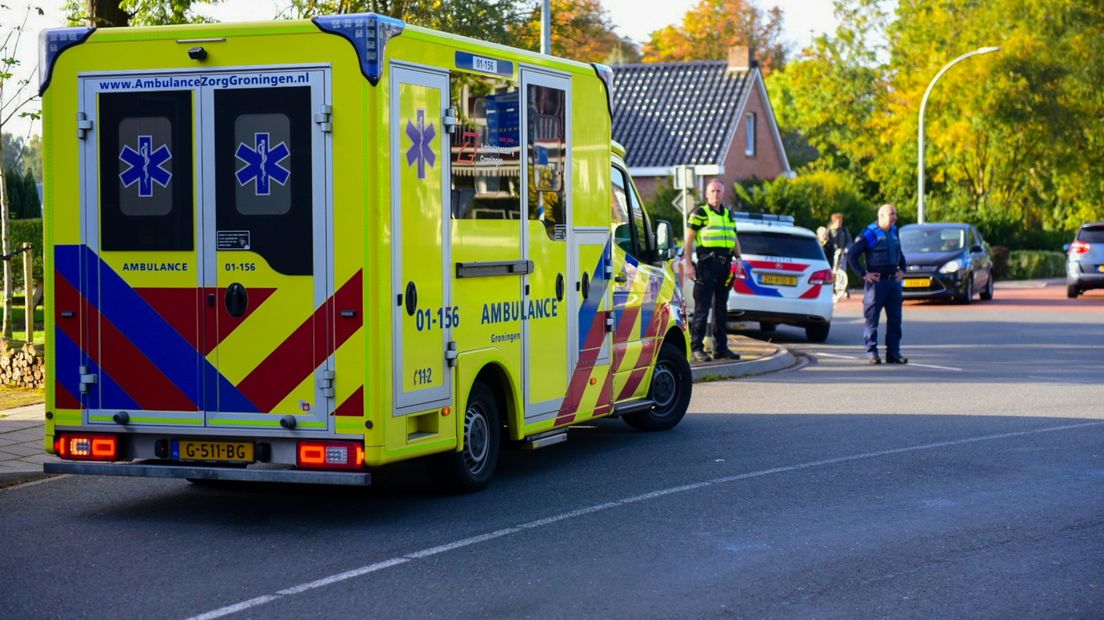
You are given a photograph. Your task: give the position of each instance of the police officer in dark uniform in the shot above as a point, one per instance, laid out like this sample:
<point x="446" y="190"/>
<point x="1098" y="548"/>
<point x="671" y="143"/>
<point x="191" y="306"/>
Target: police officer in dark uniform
<point x="713" y="226"/>
<point x="885" y="268"/>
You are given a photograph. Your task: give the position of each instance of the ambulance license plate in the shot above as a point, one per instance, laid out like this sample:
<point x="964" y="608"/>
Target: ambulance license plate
<point x="917" y="282"/>
<point x="222" y="451"/>
<point x="777" y="280"/>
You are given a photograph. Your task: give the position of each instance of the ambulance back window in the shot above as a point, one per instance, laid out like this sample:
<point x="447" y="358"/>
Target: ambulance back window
<point x="145" y="141"/>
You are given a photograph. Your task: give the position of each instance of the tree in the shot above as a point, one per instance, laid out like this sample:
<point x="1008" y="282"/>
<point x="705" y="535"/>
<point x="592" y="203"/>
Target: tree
<point x="828" y="97"/>
<point x="120" y="13"/>
<point x="581" y="30"/>
<point x="488" y="20"/>
<point x="712" y="26"/>
<point x="16" y="93"/>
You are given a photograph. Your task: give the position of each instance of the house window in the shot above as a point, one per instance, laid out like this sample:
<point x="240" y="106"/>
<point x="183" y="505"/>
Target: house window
<point x="749" y="126"/>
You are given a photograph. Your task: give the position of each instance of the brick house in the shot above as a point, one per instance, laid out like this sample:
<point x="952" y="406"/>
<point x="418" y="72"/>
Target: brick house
<point x="712" y="114"/>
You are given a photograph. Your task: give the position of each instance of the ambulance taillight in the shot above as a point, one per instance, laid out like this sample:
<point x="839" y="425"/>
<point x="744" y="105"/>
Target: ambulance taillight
<point x="330" y="455"/>
<point x="87" y="447"/>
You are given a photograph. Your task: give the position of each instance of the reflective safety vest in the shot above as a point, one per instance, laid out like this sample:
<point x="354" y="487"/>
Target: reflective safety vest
<point x="883" y="251"/>
<point x="716" y="230"/>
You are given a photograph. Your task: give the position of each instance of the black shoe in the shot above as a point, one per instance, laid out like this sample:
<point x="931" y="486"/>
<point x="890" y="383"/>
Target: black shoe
<point x="896" y="359"/>
<point x="874" y="360"/>
<point x="701" y="356"/>
<point x="725" y="354"/>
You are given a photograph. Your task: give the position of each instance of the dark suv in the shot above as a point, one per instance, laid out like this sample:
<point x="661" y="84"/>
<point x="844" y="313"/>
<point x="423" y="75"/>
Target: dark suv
<point x="1085" y="260"/>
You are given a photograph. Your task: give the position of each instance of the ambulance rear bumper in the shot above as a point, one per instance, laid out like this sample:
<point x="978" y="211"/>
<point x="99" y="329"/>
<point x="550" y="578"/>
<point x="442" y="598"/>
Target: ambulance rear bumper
<point x="191" y="472"/>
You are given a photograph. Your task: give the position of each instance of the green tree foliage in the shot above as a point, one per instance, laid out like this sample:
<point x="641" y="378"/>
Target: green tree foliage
<point x="810" y="198"/>
<point x="1013" y="139"/>
<point x="118" y="13"/>
<point x="488" y="20"/>
<point x="582" y="30"/>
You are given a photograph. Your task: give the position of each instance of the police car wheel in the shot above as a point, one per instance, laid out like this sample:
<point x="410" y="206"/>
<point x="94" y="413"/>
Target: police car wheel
<point x="472" y="467"/>
<point x="818" y="332"/>
<point x="672" y="382"/>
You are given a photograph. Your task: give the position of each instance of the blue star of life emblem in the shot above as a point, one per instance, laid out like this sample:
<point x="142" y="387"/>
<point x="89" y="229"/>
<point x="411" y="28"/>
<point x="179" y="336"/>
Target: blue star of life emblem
<point x="146" y="166"/>
<point x="421" y="151"/>
<point x="262" y="164"/>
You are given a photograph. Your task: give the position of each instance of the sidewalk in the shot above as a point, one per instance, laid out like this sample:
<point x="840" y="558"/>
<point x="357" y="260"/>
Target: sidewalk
<point x="21" y="429"/>
<point x="21" y="444"/>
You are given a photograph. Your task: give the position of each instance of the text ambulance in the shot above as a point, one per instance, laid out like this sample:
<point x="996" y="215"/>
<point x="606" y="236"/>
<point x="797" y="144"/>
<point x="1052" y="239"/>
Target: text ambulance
<point x="293" y="251"/>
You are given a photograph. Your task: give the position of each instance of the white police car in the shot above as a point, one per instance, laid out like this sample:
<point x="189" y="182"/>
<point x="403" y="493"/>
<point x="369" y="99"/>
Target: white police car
<point x="781" y="277"/>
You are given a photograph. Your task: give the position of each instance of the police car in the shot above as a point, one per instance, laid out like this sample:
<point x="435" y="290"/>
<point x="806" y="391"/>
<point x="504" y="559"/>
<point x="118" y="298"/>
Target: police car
<point x="781" y="277"/>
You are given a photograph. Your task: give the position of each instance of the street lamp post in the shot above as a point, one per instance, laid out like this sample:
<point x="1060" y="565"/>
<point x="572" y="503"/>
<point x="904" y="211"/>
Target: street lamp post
<point x="923" y="106"/>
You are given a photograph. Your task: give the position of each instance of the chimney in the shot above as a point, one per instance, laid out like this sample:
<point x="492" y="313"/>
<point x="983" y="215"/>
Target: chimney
<point x="741" y="58"/>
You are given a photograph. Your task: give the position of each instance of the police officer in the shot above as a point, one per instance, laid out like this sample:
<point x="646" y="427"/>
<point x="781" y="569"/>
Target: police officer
<point x="885" y="268"/>
<point x="714" y="228"/>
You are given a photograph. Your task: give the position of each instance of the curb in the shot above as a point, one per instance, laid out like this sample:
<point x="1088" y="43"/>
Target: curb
<point x="779" y="360"/>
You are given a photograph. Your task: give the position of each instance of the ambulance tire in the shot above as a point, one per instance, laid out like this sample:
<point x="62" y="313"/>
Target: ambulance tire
<point x="472" y="468"/>
<point x="672" y="382"/>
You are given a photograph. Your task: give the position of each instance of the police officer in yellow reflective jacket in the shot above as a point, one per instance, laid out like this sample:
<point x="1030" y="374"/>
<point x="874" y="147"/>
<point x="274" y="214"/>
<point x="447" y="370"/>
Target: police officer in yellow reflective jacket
<point x="713" y="227"/>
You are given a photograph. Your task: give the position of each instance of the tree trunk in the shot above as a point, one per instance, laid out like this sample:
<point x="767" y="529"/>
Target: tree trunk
<point x="106" y="14"/>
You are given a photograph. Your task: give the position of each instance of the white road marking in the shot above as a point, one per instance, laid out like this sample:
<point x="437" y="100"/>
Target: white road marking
<point x="464" y="542"/>
<point x="842" y="357"/>
<point x="935" y="367"/>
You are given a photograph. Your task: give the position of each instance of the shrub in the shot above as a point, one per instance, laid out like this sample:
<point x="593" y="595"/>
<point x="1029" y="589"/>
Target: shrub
<point x="1000" y="261"/>
<point x="811" y="199"/>
<point x="23" y="231"/>
<point x="1036" y="264"/>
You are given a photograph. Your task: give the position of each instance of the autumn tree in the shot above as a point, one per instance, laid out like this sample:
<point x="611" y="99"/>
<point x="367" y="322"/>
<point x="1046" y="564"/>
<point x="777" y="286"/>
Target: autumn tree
<point x="712" y="26"/>
<point x="581" y="30"/>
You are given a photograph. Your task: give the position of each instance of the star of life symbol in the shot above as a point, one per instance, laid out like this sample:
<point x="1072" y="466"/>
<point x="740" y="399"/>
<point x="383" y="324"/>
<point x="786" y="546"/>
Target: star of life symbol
<point x="262" y="164"/>
<point x="146" y="166"/>
<point x="421" y="151"/>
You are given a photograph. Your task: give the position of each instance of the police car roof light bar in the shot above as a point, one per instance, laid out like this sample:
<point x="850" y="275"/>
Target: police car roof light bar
<point x="765" y="217"/>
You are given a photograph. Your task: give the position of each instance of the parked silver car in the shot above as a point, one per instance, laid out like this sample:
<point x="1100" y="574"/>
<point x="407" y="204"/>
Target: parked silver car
<point x="1085" y="260"/>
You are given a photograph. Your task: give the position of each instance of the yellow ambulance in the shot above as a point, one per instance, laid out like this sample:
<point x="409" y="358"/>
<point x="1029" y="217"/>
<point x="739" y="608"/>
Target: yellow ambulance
<point x="293" y="251"/>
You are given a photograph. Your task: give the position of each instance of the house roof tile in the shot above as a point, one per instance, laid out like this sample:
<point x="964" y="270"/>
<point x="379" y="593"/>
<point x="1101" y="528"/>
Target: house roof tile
<point x="676" y="113"/>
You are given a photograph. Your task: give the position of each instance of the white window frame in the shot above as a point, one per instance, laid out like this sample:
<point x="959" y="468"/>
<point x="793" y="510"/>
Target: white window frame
<point x="749" y="134"/>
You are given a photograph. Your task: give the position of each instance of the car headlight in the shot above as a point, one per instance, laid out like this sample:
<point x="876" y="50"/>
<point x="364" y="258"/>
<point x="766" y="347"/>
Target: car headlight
<point x="950" y="267"/>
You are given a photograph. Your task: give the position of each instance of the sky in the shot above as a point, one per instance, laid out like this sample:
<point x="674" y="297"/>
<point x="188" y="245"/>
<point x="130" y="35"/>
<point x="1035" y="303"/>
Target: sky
<point x="803" y="20"/>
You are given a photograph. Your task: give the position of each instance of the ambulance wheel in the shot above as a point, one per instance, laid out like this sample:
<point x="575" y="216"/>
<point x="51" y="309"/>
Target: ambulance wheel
<point x="672" y="383"/>
<point x="472" y="467"/>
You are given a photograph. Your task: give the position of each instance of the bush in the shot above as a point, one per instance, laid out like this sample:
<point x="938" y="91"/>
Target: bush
<point x="24" y="231"/>
<point x="811" y="199"/>
<point x="1036" y="264"/>
<point x="1000" y="261"/>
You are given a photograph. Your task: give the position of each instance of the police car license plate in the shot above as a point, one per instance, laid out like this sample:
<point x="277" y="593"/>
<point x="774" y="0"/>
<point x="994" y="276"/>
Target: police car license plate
<point x="222" y="451"/>
<point x="777" y="280"/>
<point x="917" y="282"/>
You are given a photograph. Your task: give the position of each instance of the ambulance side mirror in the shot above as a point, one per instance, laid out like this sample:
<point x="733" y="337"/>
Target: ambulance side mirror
<point x="665" y="236"/>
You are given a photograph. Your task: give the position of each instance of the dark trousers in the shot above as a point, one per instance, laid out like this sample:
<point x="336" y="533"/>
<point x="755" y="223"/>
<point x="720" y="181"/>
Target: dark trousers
<point x="883" y="294"/>
<point x="710" y="291"/>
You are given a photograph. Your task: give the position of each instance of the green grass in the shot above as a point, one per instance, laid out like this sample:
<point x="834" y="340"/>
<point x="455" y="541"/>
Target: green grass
<point x="18" y="326"/>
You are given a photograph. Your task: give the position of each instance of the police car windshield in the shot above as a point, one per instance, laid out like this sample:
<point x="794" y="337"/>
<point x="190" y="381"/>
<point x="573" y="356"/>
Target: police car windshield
<point x="779" y="244"/>
<point x="932" y="240"/>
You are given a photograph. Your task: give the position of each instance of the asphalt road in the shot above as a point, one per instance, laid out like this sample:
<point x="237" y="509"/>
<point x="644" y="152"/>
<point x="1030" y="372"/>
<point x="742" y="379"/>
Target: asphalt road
<point x="969" y="483"/>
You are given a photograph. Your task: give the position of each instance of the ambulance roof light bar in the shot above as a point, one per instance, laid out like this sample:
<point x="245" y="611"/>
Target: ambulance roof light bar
<point x="369" y="34"/>
<point x="51" y="43"/>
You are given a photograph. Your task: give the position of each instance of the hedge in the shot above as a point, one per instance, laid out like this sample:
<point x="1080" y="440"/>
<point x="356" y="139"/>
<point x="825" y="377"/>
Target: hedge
<point x="24" y="231"/>
<point x="1036" y="264"/>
